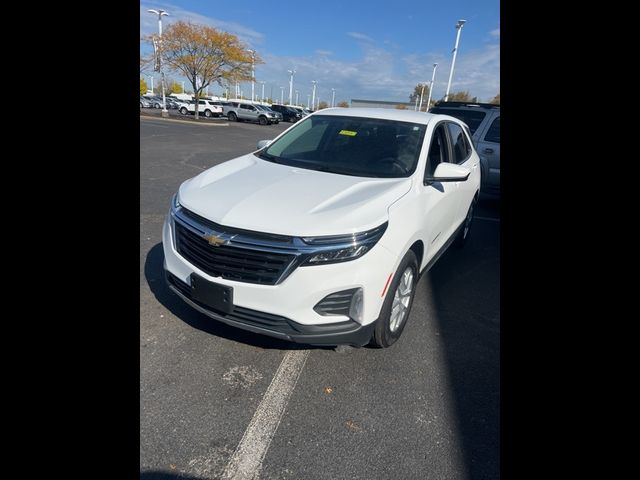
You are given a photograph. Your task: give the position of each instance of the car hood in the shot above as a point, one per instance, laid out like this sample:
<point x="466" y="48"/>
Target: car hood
<point x="253" y="194"/>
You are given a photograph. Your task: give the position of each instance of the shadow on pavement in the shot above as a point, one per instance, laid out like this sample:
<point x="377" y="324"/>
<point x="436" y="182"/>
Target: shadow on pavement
<point x="465" y="287"/>
<point x="154" y="274"/>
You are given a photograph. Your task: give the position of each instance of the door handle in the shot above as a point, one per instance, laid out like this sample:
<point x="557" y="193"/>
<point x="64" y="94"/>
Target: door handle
<point x="488" y="150"/>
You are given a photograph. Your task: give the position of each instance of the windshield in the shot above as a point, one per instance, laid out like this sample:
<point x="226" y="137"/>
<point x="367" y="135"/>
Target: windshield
<point x="363" y="147"/>
<point x="262" y="107"/>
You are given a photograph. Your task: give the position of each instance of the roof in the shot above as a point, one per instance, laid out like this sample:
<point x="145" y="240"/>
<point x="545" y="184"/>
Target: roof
<point x="381" y="102"/>
<point x="382" y="113"/>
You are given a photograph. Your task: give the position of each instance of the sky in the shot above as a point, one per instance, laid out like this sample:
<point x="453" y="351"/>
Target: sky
<point x="373" y="50"/>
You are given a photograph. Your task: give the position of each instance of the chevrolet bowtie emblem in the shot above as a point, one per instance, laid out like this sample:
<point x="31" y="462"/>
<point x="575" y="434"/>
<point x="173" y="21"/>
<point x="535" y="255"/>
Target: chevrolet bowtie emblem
<point x="214" y="240"/>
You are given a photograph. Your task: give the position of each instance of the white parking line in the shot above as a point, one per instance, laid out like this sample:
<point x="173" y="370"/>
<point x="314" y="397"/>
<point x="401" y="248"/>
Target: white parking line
<point x="488" y="219"/>
<point x="246" y="461"/>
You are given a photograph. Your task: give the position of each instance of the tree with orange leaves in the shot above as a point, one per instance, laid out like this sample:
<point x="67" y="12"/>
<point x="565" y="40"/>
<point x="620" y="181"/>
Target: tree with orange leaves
<point x="205" y="55"/>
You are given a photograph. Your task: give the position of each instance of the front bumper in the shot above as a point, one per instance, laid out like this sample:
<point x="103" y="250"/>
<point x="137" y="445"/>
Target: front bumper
<point x="292" y="301"/>
<point x="343" y="333"/>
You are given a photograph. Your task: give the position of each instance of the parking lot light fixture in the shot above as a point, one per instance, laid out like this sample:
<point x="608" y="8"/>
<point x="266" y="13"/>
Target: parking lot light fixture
<point x="296" y="97"/>
<point x="291" y="73"/>
<point x="333" y="97"/>
<point x="433" y="78"/>
<point x="161" y="13"/>
<point x="459" y="26"/>
<point x="313" y="95"/>
<point x="281" y="95"/>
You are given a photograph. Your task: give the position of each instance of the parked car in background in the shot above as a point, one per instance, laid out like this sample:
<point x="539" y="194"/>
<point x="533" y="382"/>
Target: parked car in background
<point x="288" y="114"/>
<point x="240" y="111"/>
<point x="320" y="236"/>
<point x="145" y="103"/>
<point x="205" y="107"/>
<point x="277" y="115"/>
<point x="483" y="120"/>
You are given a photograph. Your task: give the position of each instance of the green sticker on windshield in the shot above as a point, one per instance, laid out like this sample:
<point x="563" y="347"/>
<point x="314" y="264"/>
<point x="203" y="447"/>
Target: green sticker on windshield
<point x="348" y="133"/>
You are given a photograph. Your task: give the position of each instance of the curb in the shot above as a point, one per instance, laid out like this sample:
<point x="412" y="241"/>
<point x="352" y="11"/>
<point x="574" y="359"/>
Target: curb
<point x="149" y="117"/>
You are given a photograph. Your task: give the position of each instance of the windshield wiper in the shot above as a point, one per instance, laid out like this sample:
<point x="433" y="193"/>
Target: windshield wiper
<point x="267" y="157"/>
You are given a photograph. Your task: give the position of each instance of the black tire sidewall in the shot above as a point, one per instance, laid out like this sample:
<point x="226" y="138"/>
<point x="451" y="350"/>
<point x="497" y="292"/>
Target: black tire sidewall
<point x="461" y="240"/>
<point x="382" y="335"/>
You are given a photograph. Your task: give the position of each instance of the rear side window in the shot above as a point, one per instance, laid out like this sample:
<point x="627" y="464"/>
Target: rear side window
<point x="459" y="142"/>
<point x="493" y="134"/>
<point x="473" y="118"/>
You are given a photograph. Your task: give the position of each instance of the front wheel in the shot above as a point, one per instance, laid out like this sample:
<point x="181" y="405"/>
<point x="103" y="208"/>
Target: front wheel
<point x="207" y="113"/>
<point x="183" y="111"/>
<point x="232" y="117"/>
<point x="397" y="304"/>
<point x="463" y="234"/>
<point x="262" y="121"/>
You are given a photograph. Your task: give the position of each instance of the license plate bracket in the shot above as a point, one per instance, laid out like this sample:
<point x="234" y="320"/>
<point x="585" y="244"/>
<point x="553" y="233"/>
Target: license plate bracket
<point x="218" y="297"/>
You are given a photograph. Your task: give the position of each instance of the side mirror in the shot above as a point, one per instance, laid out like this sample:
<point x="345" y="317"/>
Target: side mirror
<point x="448" y="172"/>
<point x="263" y="143"/>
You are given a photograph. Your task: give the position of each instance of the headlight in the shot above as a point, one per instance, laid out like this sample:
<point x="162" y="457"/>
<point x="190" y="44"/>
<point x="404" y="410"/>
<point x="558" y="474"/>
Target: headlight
<point x="342" y="248"/>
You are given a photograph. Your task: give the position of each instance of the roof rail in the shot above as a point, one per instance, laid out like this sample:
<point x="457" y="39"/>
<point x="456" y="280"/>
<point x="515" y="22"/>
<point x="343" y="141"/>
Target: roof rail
<point x="466" y="104"/>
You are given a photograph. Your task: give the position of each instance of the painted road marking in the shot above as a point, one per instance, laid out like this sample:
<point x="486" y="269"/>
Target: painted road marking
<point x="246" y="461"/>
<point x="488" y="219"/>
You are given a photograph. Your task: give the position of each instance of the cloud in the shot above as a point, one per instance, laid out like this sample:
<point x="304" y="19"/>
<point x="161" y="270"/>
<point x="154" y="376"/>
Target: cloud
<point x="495" y="33"/>
<point x="149" y="22"/>
<point x="360" y="36"/>
<point x="324" y="52"/>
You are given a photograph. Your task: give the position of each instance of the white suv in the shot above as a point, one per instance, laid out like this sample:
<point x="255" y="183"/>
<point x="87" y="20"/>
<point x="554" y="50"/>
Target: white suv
<point x="206" y="107"/>
<point x="320" y="236"/>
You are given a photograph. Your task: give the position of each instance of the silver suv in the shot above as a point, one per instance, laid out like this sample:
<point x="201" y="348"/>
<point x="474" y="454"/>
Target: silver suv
<point x="483" y="120"/>
<point x="238" y="111"/>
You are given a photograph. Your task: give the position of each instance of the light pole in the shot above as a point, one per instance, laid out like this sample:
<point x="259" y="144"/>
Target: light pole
<point x="151" y="77"/>
<point x="313" y="96"/>
<point x="308" y="100"/>
<point x="292" y="73"/>
<point x="333" y="97"/>
<point x="421" y="94"/>
<point x="182" y="87"/>
<point x="281" y="95"/>
<point x="262" y="98"/>
<point x="433" y="78"/>
<point x="296" y="97"/>
<point x="253" y="72"/>
<point x="160" y="13"/>
<point x="459" y="26"/>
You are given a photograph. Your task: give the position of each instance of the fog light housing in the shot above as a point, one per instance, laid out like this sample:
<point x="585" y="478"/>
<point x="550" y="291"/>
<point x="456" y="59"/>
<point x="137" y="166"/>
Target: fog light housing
<point x="346" y="302"/>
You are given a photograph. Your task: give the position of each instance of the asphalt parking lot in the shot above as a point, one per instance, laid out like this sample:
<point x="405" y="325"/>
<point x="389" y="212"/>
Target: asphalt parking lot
<point x="426" y="408"/>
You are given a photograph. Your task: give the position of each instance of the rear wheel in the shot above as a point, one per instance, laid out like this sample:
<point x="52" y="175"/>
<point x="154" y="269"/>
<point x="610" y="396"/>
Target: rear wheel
<point x="156" y="105"/>
<point x="183" y="111"/>
<point x="397" y="304"/>
<point x="207" y="113"/>
<point x="232" y="117"/>
<point x="262" y="120"/>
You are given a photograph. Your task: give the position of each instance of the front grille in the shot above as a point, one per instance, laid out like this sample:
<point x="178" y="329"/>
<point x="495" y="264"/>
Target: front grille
<point x="231" y="262"/>
<point x="240" y="314"/>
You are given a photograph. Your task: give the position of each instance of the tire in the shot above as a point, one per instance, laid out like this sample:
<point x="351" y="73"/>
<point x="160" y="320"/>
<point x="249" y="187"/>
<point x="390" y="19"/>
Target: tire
<point x="184" y="110"/>
<point x="141" y="105"/>
<point x="232" y="117"/>
<point x="463" y="234"/>
<point x="156" y="105"/>
<point x="262" y="120"/>
<point x="207" y="113"/>
<point x="386" y="331"/>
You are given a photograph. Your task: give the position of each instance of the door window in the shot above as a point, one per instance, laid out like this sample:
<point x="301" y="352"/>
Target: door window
<point x="438" y="150"/>
<point x="459" y="143"/>
<point x="493" y="134"/>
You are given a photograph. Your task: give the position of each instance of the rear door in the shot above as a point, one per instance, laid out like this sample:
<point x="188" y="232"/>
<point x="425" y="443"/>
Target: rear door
<point x="440" y="202"/>
<point x="462" y="154"/>
<point x="488" y="146"/>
